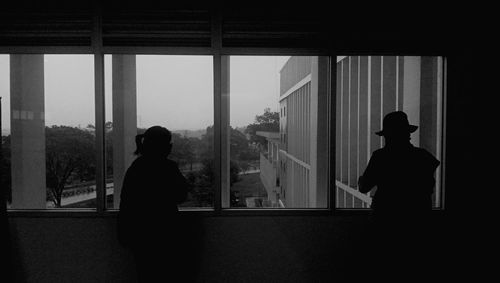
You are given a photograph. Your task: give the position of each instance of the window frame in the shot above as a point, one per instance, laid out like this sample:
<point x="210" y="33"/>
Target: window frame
<point x="221" y="118"/>
<point x="442" y="104"/>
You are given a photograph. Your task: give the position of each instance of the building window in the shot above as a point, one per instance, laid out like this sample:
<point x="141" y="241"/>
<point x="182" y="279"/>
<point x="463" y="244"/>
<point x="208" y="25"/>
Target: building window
<point x="48" y="133"/>
<point x="249" y="131"/>
<point x="368" y="87"/>
<point x="175" y="92"/>
<point x="262" y="143"/>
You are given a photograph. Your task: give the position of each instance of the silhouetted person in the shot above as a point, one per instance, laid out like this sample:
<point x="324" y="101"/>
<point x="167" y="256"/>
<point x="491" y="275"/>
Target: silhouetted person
<point x="148" y="221"/>
<point x="404" y="177"/>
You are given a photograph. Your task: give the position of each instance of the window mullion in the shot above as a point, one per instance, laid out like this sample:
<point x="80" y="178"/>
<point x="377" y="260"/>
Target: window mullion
<point x="332" y="120"/>
<point x="99" y="132"/>
<point x="99" y="115"/>
<point x="225" y="132"/>
<point x="217" y="133"/>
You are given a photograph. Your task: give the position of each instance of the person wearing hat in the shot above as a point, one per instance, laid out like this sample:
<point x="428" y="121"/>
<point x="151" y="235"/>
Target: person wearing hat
<point x="148" y="222"/>
<point x="404" y="179"/>
<point x="402" y="173"/>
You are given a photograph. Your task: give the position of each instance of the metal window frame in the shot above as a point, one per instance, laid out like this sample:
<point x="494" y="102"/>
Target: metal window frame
<point x="217" y="51"/>
<point x="444" y="114"/>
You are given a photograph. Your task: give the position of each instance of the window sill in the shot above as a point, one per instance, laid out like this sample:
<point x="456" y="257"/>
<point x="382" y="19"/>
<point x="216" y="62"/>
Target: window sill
<point x="206" y="212"/>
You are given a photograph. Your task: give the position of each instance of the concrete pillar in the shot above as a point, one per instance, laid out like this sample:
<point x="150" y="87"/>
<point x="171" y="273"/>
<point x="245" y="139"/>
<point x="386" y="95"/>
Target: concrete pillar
<point x="318" y="176"/>
<point x="27" y="131"/>
<point x="411" y="93"/>
<point x="431" y="112"/>
<point x="338" y="129"/>
<point x="345" y="120"/>
<point x="225" y="130"/>
<point x="353" y="122"/>
<point x="389" y="80"/>
<point x="124" y="118"/>
<point x="375" y="102"/>
<point x="428" y="103"/>
<point x="363" y="155"/>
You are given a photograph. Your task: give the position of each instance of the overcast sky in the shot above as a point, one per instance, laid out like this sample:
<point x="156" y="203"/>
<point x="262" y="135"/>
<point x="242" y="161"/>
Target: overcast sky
<point x="173" y="91"/>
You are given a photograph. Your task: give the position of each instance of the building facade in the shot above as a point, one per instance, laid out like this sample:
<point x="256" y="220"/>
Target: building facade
<point x="368" y="87"/>
<point x="302" y="144"/>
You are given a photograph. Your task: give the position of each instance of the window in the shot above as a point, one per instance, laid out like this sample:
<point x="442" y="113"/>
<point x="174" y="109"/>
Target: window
<point x="175" y="92"/>
<point x="224" y="87"/>
<point x="48" y="133"/>
<point x="278" y="161"/>
<point x="270" y="128"/>
<point x="368" y="87"/>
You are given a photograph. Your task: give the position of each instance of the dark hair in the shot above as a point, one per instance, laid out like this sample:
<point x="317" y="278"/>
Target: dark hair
<point x="139" y="145"/>
<point x="152" y="140"/>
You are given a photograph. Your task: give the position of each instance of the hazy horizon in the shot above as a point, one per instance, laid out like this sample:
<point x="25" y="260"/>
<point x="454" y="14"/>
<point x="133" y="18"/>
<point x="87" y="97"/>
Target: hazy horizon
<point x="161" y="80"/>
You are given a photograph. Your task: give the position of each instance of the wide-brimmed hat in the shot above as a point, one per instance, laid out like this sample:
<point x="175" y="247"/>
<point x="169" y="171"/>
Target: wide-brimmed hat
<point x="396" y="122"/>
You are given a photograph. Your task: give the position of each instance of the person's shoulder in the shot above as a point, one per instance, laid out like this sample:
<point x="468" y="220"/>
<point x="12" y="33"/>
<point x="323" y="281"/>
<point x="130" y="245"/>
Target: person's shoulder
<point x="422" y="151"/>
<point x="171" y="163"/>
<point x="379" y="152"/>
<point x="426" y="155"/>
<point x="138" y="161"/>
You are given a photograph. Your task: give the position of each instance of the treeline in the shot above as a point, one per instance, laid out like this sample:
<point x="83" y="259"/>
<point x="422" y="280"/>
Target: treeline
<point x="70" y="157"/>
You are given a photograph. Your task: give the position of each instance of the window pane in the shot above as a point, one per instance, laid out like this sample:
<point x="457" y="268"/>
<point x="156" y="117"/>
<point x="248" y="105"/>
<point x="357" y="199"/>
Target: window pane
<point x="279" y="131"/>
<point x="175" y="92"/>
<point x="368" y="88"/>
<point x="48" y="141"/>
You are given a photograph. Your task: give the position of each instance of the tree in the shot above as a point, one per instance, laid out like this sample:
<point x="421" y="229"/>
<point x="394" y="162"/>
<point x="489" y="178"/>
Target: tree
<point x="203" y="180"/>
<point x="70" y="154"/>
<point x="182" y="150"/>
<point x="108" y="137"/>
<point x="267" y="122"/>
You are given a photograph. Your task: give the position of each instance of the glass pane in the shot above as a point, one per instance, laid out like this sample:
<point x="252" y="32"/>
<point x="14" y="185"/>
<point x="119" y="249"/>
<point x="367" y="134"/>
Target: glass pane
<point x="48" y="141"/>
<point x="368" y="88"/>
<point x="279" y="131"/>
<point x="175" y="92"/>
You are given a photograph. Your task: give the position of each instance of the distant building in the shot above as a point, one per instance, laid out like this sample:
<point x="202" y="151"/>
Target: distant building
<point x="294" y="169"/>
<point x="269" y="166"/>
<point x="369" y="87"/>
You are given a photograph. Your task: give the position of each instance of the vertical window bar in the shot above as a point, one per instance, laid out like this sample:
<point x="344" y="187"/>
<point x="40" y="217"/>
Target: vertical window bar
<point x="216" y="31"/>
<point x="381" y="97"/>
<point x="348" y="121"/>
<point x="217" y="131"/>
<point x="99" y="113"/>
<point x="439" y="127"/>
<point x="341" y="120"/>
<point x="369" y="114"/>
<point x="359" y="118"/>
<point x="225" y="132"/>
<point x="332" y="127"/>
<point x="443" y="132"/>
<point x="397" y="83"/>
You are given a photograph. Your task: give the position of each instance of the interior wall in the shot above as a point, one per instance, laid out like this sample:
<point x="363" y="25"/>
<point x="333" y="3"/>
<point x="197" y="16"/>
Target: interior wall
<point x="259" y="248"/>
<point x="222" y="249"/>
<point x="271" y="248"/>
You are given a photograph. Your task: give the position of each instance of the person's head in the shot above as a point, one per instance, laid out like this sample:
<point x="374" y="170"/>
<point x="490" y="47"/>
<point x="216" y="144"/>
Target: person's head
<point x="396" y="128"/>
<point x="156" y="140"/>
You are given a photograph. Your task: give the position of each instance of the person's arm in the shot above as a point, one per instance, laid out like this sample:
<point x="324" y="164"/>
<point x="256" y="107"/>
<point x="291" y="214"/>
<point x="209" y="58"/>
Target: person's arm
<point x="125" y="214"/>
<point x="181" y="186"/>
<point x="431" y="164"/>
<point x="367" y="181"/>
